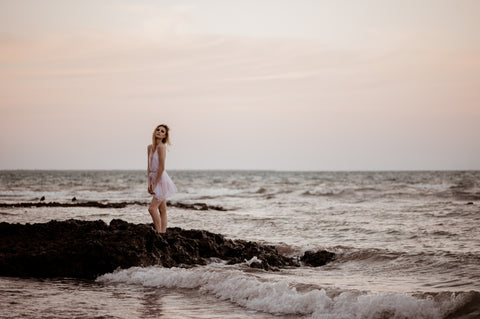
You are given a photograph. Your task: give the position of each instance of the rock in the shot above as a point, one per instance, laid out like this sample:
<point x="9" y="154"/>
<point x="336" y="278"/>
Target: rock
<point x="74" y="203"/>
<point x="195" y="206"/>
<point x="318" y="258"/>
<point x="256" y="264"/>
<point x="86" y="249"/>
<point x="97" y="204"/>
<point x="261" y="190"/>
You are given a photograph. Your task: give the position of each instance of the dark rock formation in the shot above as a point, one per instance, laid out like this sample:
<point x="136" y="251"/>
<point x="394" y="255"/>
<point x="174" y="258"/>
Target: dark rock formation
<point x="318" y="258"/>
<point x="86" y="249"/>
<point x="77" y="203"/>
<point x="196" y="206"/>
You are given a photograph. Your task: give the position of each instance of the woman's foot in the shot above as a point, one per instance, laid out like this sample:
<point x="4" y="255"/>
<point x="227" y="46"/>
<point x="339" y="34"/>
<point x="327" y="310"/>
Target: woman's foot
<point x="156" y="230"/>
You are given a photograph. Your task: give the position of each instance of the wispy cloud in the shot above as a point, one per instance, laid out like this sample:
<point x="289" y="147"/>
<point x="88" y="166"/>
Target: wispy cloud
<point x="135" y="63"/>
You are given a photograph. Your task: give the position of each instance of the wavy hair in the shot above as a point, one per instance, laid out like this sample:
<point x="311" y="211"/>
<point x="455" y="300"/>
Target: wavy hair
<point x="165" y="140"/>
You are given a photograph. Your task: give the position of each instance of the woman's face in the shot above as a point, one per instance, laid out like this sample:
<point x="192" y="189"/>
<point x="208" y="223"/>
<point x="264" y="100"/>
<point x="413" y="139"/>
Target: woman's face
<point x="160" y="132"/>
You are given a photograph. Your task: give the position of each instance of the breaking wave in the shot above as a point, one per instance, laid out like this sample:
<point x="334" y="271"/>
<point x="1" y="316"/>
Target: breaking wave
<point x="281" y="297"/>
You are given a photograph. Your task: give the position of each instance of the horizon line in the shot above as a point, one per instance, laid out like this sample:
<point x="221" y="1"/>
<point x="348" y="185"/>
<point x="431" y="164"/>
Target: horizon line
<point x="245" y="169"/>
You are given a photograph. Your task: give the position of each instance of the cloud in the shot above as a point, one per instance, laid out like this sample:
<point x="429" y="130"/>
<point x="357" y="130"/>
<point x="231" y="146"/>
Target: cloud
<point x="108" y="86"/>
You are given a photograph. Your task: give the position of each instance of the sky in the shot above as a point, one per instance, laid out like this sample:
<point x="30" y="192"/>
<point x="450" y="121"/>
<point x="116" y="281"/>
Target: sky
<point x="276" y="85"/>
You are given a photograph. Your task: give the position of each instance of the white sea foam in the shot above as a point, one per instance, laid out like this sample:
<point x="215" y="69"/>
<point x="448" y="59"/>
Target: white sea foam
<point x="279" y="297"/>
<point x="193" y="193"/>
<point x="254" y="259"/>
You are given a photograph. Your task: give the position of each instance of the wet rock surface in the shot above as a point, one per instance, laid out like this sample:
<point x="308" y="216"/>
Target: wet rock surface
<point x="86" y="249"/>
<point x="97" y="204"/>
<point x="317" y="258"/>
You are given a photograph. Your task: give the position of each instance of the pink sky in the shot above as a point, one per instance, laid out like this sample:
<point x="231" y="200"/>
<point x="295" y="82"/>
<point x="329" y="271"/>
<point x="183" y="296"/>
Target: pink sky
<point x="284" y="85"/>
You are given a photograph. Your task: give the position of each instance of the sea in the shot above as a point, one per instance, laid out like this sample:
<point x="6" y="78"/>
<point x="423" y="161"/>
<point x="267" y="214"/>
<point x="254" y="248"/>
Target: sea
<point x="407" y="245"/>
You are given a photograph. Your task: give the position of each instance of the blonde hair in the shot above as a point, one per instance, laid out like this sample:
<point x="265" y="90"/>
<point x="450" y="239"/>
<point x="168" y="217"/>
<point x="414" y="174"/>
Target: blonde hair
<point x="165" y="140"/>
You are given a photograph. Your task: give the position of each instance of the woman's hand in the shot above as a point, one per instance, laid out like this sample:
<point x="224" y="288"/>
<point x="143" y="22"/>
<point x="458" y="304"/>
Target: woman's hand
<point x="150" y="189"/>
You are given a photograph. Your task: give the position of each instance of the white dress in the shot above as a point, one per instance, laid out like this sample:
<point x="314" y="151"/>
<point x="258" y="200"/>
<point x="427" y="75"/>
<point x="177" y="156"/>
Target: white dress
<point x="165" y="187"/>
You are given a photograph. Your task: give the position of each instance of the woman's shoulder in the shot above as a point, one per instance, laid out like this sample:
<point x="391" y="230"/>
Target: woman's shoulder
<point x="161" y="146"/>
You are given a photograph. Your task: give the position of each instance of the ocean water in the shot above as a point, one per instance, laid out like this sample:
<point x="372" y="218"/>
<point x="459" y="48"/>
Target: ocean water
<point x="407" y="245"/>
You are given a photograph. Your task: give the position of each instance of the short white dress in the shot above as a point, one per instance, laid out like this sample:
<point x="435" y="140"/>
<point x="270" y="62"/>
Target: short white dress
<point x="165" y="187"/>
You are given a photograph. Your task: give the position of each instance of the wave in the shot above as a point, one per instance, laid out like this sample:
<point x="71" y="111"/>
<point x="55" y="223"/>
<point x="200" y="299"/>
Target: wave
<point x="327" y="193"/>
<point x="470" y="193"/>
<point x="345" y="254"/>
<point x="249" y="290"/>
<point x="211" y="193"/>
<point x="255" y="192"/>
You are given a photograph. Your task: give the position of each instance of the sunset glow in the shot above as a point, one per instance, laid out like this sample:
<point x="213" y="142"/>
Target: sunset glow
<point x="283" y="85"/>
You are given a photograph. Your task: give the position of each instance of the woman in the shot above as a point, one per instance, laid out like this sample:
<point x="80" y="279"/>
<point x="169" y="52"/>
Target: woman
<point x="159" y="183"/>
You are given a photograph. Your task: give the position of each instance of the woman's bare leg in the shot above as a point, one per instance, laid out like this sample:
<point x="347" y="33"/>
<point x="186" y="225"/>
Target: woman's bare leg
<point x="163" y="215"/>
<point x="153" y="210"/>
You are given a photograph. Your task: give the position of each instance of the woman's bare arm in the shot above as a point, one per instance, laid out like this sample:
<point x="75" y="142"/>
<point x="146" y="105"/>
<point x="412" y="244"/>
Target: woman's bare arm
<point x="148" y="169"/>
<point x="162" y="152"/>
<point x="148" y="158"/>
